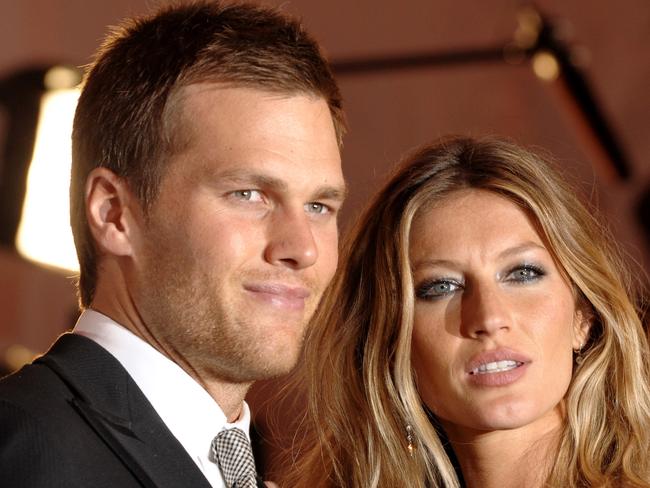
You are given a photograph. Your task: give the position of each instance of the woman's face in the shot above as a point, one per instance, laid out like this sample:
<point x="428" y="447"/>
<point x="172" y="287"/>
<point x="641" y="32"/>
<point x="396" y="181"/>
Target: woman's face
<point x="495" y="323"/>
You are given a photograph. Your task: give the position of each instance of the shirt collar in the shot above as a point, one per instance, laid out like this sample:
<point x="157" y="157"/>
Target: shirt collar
<point x="187" y="409"/>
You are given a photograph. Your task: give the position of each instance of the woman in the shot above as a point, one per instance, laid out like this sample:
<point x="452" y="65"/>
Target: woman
<point x="480" y="331"/>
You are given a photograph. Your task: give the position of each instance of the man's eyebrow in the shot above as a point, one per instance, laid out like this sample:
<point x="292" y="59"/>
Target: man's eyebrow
<point x="255" y="179"/>
<point x="328" y="192"/>
<point x="338" y="193"/>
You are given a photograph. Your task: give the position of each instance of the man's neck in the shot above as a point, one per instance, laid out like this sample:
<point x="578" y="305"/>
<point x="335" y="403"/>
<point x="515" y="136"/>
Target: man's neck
<point x="228" y="395"/>
<point x="230" y="398"/>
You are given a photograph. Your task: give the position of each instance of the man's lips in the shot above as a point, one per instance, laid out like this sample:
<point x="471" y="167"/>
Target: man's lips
<point x="279" y="294"/>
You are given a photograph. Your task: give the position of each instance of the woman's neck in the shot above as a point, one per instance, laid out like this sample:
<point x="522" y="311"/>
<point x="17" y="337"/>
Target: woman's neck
<point x="506" y="458"/>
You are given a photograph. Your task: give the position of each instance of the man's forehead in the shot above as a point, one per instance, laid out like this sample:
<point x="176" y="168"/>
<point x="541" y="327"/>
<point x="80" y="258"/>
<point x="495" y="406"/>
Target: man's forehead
<point x="189" y="104"/>
<point x="267" y="138"/>
<point x="201" y="90"/>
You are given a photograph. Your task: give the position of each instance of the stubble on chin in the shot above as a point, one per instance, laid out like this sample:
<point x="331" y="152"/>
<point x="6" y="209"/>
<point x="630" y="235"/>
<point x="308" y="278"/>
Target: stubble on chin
<point x="202" y="324"/>
<point x="221" y="341"/>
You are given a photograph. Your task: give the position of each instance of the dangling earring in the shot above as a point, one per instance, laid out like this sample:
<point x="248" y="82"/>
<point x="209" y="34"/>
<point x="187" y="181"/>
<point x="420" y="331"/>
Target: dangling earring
<point x="578" y="355"/>
<point x="410" y="438"/>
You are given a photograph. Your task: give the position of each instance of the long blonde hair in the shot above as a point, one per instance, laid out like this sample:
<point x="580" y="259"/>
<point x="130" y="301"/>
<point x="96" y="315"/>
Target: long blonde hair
<point x="361" y="392"/>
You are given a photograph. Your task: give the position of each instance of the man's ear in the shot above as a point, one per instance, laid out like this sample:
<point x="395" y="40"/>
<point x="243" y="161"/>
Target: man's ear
<point x="110" y="212"/>
<point x="582" y="321"/>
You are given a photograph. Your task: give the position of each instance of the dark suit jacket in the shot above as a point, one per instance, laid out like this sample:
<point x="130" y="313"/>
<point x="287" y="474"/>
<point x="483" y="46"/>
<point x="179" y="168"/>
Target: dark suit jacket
<point x="75" y="418"/>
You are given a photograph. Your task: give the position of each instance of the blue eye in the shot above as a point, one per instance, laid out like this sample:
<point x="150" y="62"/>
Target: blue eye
<point x="430" y="290"/>
<point x="248" y="195"/>
<point x="317" y="208"/>
<point x="525" y="273"/>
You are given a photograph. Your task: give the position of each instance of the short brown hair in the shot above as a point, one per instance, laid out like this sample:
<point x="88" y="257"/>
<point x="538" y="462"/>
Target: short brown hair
<point x="122" y="118"/>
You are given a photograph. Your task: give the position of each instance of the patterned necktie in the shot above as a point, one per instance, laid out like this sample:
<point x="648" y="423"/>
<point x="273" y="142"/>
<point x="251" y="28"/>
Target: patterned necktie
<point x="232" y="450"/>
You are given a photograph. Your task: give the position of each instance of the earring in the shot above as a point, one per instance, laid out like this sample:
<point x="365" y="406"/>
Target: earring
<point x="578" y="355"/>
<point x="410" y="438"/>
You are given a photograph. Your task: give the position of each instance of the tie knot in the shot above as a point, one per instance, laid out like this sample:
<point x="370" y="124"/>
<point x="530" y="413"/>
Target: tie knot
<point x="232" y="450"/>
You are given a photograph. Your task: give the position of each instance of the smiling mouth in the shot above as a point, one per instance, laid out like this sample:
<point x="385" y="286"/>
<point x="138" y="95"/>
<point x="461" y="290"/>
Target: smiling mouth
<point x="279" y="295"/>
<point x="496" y="367"/>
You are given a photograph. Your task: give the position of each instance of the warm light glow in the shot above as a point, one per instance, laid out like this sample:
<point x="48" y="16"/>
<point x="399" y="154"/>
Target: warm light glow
<point x="61" y="78"/>
<point x="545" y="66"/>
<point x="44" y="233"/>
<point x="17" y="356"/>
<point x="528" y="27"/>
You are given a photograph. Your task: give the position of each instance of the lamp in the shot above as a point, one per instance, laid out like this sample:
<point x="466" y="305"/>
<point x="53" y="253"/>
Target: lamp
<point x="35" y="176"/>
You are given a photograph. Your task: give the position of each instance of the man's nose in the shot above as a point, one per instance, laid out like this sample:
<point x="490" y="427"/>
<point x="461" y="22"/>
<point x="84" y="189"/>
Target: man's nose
<point x="291" y="240"/>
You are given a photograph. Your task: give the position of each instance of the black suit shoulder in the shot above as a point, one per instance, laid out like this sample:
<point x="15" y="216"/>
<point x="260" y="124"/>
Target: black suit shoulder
<point x="75" y="418"/>
<point x="45" y="442"/>
<point x="32" y="454"/>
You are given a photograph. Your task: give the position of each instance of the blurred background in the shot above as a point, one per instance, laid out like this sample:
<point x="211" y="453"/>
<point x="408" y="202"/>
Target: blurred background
<point x="574" y="81"/>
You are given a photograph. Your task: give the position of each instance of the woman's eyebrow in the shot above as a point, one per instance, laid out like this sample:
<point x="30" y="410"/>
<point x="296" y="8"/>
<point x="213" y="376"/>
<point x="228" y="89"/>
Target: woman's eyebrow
<point x="520" y="248"/>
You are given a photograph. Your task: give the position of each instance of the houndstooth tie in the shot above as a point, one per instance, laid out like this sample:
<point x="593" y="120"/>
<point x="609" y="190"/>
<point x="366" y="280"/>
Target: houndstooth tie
<point x="232" y="450"/>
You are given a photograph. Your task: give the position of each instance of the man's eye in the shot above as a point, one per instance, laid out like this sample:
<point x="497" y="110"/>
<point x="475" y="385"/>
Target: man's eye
<point x="317" y="208"/>
<point x="438" y="288"/>
<point x="522" y="274"/>
<point x="248" y="195"/>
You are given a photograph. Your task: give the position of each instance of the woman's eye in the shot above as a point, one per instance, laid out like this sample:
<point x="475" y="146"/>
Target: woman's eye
<point x="522" y="274"/>
<point x="436" y="289"/>
<point x="248" y="195"/>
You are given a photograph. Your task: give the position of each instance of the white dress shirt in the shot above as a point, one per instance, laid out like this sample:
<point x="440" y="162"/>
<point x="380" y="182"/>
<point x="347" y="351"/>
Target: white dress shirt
<point x="190" y="413"/>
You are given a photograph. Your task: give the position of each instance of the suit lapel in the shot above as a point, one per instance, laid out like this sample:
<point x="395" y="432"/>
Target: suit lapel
<point x="113" y="405"/>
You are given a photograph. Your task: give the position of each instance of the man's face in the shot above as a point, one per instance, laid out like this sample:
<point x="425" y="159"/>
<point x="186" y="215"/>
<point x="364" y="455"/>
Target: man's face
<point x="242" y="240"/>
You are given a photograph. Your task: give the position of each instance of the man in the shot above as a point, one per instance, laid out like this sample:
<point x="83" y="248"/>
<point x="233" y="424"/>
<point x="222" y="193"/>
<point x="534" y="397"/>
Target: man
<point x="205" y="187"/>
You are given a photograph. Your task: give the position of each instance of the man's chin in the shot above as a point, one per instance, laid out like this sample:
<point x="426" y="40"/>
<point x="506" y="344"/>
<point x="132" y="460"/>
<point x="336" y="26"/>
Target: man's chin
<point x="283" y="364"/>
<point x="265" y="365"/>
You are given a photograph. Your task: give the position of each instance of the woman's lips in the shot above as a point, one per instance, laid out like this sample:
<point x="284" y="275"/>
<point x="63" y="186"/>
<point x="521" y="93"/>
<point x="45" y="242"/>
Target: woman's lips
<point x="279" y="295"/>
<point x="497" y="367"/>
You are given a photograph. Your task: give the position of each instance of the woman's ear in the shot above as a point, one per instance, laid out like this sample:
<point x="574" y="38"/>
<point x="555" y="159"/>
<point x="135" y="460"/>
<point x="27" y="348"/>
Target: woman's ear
<point x="109" y="212"/>
<point x="582" y="321"/>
